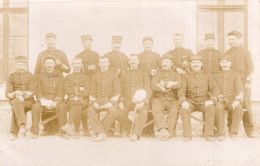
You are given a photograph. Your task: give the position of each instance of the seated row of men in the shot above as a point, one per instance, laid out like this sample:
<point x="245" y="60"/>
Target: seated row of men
<point x="131" y="90"/>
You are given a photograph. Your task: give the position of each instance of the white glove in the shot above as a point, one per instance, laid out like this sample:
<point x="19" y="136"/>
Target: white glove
<point x="209" y="102"/>
<point x="185" y="105"/>
<point x="235" y="104"/>
<point x="171" y="83"/>
<point x="180" y="71"/>
<point x="140" y="105"/>
<point x="121" y="106"/>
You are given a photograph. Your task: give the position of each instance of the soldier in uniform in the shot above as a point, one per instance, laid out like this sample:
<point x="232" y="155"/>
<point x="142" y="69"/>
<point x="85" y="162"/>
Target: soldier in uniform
<point x="50" y="95"/>
<point x="118" y="60"/>
<point x="89" y="58"/>
<point x="61" y="61"/>
<point x="199" y="93"/>
<point x="242" y="63"/>
<point x="230" y="98"/>
<point x="150" y="61"/>
<point x="210" y="56"/>
<point x="180" y="55"/>
<point x="104" y="94"/>
<point x="20" y="91"/>
<point x="165" y="85"/>
<point x="77" y="87"/>
<point x="131" y="81"/>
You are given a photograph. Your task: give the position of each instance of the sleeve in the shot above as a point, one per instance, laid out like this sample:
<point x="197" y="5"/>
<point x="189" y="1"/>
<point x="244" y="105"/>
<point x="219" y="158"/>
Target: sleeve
<point x="96" y="60"/>
<point x="122" y="84"/>
<point x="65" y="62"/>
<point x="9" y="86"/>
<point x="155" y="80"/>
<point x="93" y="88"/>
<point x="116" y="86"/>
<point x="159" y="61"/>
<point x="213" y="89"/>
<point x="60" y="90"/>
<point x="147" y="87"/>
<point x="37" y="69"/>
<point x="86" y="90"/>
<point x="38" y="89"/>
<point x="249" y="66"/>
<point x="31" y="85"/>
<point x="68" y="89"/>
<point x="181" y="92"/>
<point x="177" y="79"/>
<point x="112" y="68"/>
<point x="239" y="88"/>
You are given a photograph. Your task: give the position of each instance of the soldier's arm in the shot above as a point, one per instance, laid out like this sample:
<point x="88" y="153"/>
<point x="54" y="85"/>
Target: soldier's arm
<point x="9" y="88"/>
<point x="116" y="89"/>
<point x="38" y="89"/>
<point x="154" y="83"/>
<point x="65" y="62"/>
<point x="147" y="88"/>
<point x="69" y="90"/>
<point x="96" y="60"/>
<point x="93" y="90"/>
<point x="60" y="91"/>
<point x="86" y="91"/>
<point x="122" y="84"/>
<point x="159" y="61"/>
<point x="249" y="66"/>
<point x="37" y="69"/>
<point x="31" y="90"/>
<point x="239" y="88"/>
<point x="213" y="89"/>
<point x="177" y="79"/>
<point x="181" y="92"/>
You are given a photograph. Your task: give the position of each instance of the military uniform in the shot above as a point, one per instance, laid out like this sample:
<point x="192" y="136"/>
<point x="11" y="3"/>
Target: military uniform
<point x="149" y="60"/>
<point x="49" y="86"/>
<point x="77" y="87"/>
<point x="165" y="101"/>
<point x="131" y="81"/>
<point x="105" y="88"/>
<point x="197" y="88"/>
<point x="181" y="57"/>
<point x="242" y="63"/>
<point x="20" y="81"/>
<point x="230" y="87"/>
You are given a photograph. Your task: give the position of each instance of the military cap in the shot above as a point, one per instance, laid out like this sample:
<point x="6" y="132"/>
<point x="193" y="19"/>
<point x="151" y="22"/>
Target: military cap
<point x="50" y="35"/>
<point x="21" y="59"/>
<point x="235" y="33"/>
<point x="209" y="36"/>
<point x="147" y="38"/>
<point x="86" y="37"/>
<point x="167" y="56"/>
<point x="195" y="57"/>
<point x="227" y="57"/>
<point x="117" y="38"/>
<point x="49" y="57"/>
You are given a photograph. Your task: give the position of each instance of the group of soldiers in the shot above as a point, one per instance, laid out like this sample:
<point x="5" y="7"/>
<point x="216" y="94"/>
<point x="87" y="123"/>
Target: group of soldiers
<point x="178" y="83"/>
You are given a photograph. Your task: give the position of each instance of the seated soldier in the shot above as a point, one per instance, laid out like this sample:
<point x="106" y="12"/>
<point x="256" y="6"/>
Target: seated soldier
<point x="77" y="87"/>
<point x="20" y="91"/>
<point x="50" y="96"/>
<point x="230" y="98"/>
<point x="165" y="85"/>
<point x="104" y="93"/>
<point x="199" y="92"/>
<point x="132" y="81"/>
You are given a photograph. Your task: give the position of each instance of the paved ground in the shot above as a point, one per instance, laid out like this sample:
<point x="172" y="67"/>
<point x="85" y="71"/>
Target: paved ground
<point x="55" y="151"/>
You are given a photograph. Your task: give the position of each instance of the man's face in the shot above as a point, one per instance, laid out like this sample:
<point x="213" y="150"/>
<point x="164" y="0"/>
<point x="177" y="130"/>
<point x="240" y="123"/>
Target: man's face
<point x="209" y="43"/>
<point x="178" y="40"/>
<point x="87" y="44"/>
<point x="51" y="42"/>
<point x="196" y="65"/>
<point x="20" y="66"/>
<point x="104" y="64"/>
<point x="233" y="41"/>
<point x="116" y="45"/>
<point x="133" y="61"/>
<point x="148" y="45"/>
<point x="77" y="65"/>
<point x="225" y="64"/>
<point x="166" y="64"/>
<point x="49" y="64"/>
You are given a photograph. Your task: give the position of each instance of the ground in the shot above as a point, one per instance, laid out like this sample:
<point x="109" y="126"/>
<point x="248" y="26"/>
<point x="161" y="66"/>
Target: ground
<point x="55" y="151"/>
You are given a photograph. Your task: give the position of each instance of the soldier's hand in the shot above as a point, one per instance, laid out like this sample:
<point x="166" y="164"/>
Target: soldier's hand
<point x="209" y="102"/>
<point x="96" y="106"/>
<point x="54" y="104"/>
<point x="185" y="105"/>
<point x="220" y="98"/>
<point x="121" y="106"/>
<point x="20" y="98"/>
<point x="247" y="86"/>
<point x="153" y="72"/>
<point x="18" y="93"/>
<point x="171" y="83"/>
<point x="11" y="95"/>
<point x="180" y="71"/>
<point x="140" y="105"/>
<point x="108" y="105"/>
<point x="162" y="83"/>
<point x="235" y="104"/>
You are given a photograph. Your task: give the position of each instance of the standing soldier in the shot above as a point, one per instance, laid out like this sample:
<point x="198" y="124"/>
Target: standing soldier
<point x="50" y="95"/>
<point x="165" y="85"/>
<point x="118" y="60"/>
<point x="61" y="61"/>
<point x="104" y="93"/>
<point x="202" y="92"/>
<point x="180" y="55"/>
<point x="20" y="91"/>
<point x="77" y="87"/>
<point x="242" y="63"/>
<point x="131" y="81"/>
<point x="89" y="58"/>
<point x="210" y="56"/>
<point x="150" y="61"/>
<point x="230" y="98"/>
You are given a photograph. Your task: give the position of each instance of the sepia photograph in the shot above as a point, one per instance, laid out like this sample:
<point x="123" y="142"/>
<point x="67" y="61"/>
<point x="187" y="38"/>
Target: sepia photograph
<point x="129" y="82"/>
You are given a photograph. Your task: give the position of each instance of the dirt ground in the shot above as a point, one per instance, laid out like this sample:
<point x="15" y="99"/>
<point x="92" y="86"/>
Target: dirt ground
<point x="55" y="151"/>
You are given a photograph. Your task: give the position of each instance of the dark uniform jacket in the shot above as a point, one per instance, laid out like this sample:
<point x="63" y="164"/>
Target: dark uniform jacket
<point x="199" y="87"/>
<point x="181" y="57"/>
<point x="166" y="75"/>
<point x="148" y="61"/>
<point x="104" y="86"/>
<point x="89" y="58"/>
<point x="50" y="86"/>
<point x="210" y="60"/>
<point x="242" y="61"/>
<point x="58" y="54"/>
<point x="20" y="81"/>
<point x="131" y="81"/>
<point x="230" y="85"/>
<point x="118" y="60"/>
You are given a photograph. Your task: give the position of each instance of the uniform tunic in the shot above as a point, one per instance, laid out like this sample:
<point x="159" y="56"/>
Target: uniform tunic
<point x="118" y="61"/>
<point x="148" y="61"/>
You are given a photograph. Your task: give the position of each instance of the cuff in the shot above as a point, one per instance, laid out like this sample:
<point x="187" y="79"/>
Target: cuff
<point x="213" y="99"/>
<point x="181" y="100"/>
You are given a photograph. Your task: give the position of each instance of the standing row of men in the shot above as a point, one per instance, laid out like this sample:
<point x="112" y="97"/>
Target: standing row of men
<point x="176" y="82"/>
